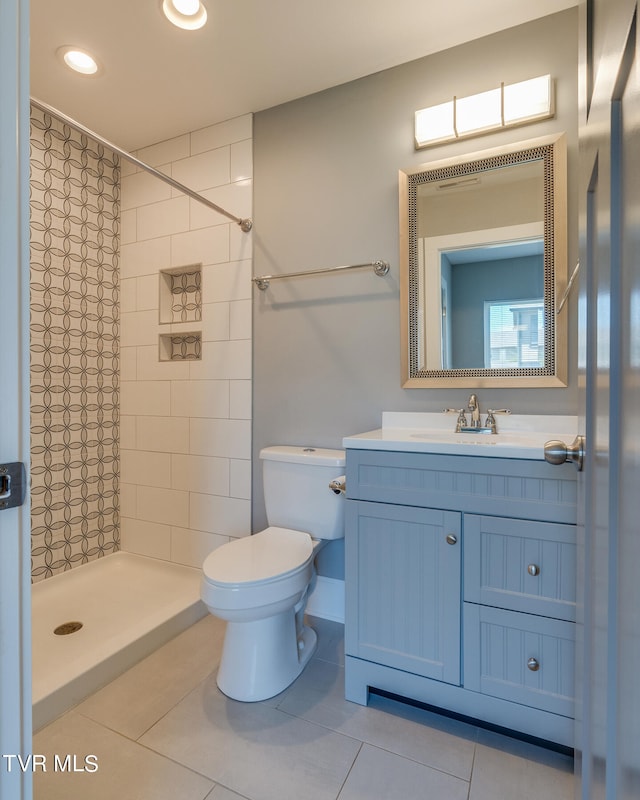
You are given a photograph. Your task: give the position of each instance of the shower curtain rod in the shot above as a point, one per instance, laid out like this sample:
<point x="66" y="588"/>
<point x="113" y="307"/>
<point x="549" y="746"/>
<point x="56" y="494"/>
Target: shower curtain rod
<point x="245" y="224"/>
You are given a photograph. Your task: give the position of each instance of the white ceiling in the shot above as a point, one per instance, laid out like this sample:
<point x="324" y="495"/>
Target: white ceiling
<point x="158" y="81"/>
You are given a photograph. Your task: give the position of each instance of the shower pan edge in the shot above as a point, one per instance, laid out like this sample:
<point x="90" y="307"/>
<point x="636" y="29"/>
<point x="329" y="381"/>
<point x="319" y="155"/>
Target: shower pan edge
<point x="129" y="605"/>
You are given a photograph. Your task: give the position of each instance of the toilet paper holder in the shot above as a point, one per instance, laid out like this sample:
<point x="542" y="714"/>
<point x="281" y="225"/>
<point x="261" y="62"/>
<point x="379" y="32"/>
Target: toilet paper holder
<point x="338" y="485"/>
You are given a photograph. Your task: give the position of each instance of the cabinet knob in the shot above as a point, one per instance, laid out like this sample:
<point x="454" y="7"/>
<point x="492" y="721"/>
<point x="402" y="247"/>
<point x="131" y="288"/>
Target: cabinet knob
<point x="533" y="664"/>
<point x="533" y="569"/>
<point x="451" y="539"/>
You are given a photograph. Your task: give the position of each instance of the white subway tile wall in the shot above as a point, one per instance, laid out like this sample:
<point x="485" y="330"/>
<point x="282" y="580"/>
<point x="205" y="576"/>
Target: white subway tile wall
<point x="186" y="425"/>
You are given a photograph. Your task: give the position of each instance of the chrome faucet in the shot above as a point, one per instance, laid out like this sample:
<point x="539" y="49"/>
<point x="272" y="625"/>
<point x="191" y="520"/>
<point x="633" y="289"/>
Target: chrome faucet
<point x="475" y="423"/>
<point x="474" y="407"/>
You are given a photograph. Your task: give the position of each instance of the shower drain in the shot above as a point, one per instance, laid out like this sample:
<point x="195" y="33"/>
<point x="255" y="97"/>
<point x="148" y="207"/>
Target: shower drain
<point x="67" y="627"/>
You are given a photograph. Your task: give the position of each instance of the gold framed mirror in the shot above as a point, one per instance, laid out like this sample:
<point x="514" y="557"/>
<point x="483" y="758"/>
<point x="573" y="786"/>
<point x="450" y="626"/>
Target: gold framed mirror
<point x="483" y="263"/>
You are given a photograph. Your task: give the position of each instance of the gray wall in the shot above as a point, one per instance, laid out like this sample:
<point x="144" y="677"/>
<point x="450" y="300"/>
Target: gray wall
<point x="327" y="348"/>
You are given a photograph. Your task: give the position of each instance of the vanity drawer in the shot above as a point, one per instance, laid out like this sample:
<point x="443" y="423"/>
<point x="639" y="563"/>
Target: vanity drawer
<point x="480" y="485"/>
<point x="520" y="565"/>
<point x="520" y="657"/>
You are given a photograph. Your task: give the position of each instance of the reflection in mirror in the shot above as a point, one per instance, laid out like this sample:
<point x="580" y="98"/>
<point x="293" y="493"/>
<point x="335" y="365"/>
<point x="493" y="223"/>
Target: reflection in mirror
<point x="483" y="257"/>
<point x="498" y="290"/>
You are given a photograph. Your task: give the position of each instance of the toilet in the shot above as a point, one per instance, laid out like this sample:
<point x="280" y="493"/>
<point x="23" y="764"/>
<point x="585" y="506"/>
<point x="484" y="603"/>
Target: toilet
<point x="260" y="584"/>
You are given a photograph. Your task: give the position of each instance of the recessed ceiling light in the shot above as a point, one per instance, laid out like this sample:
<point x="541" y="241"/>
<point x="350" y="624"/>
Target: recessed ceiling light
<point x="79" y="60"/>
<point x="187" y="14"/>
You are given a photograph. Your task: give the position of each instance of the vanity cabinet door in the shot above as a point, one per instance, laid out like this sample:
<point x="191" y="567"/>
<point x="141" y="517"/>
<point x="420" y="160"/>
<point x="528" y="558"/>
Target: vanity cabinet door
<point x="402" y="585"/>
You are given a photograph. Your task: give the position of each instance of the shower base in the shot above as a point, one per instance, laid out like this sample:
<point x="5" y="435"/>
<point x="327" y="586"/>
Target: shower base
<point x="128" y="606"/>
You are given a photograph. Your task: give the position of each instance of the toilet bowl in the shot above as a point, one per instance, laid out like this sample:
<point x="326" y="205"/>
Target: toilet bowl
<point x="257" y="585"/>
<point x="260" y="584"/>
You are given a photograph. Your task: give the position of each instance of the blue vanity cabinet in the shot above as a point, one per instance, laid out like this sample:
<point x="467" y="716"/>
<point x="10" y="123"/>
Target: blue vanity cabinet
<point x="460" y="586"/>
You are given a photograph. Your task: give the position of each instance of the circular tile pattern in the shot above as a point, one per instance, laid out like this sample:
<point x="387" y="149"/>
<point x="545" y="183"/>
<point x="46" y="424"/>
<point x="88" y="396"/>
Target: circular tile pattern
<point x="75" y="213"/>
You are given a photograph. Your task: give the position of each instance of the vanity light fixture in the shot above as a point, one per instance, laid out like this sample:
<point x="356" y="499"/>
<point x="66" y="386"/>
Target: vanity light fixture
<point x="78" y="60"/>
<point x="187" y="14"/>
<point x="503" y="107"/>
<point x="459" y="183"/>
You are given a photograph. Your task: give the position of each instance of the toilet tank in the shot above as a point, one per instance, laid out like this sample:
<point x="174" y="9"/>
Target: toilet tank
<point x="296" y="489"/>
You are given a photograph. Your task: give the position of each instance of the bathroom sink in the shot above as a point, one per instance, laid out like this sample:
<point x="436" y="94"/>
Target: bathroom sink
<point x="518" y="436"/>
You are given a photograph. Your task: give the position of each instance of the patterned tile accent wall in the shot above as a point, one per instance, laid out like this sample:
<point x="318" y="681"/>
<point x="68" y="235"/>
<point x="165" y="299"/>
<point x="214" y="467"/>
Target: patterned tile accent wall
<point x="75" y="209"/>
<point x="187" y="297"/>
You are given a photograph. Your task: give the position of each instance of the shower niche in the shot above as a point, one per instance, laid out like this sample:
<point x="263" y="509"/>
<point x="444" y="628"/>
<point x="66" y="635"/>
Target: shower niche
<point x="181" y="308"/>
<point x="181" y="346"/>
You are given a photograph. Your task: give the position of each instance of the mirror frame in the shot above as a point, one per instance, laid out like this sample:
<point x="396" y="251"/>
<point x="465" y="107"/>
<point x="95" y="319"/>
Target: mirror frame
<point x="553" y="152"/>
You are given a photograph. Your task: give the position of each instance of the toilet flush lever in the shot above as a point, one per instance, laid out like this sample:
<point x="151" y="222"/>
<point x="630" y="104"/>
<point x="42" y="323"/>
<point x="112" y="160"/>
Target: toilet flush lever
<point x="338" y="485"/>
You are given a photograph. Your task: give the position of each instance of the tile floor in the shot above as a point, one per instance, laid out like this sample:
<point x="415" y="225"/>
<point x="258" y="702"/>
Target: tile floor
<point x="163" y="731"/>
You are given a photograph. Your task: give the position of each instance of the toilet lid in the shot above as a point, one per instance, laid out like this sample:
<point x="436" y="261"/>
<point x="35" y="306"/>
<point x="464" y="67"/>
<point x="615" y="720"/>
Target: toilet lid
<point x="268" y="554"/>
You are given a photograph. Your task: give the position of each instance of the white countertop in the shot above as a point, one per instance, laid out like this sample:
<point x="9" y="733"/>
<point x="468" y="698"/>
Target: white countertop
<point x="519" y="435"/>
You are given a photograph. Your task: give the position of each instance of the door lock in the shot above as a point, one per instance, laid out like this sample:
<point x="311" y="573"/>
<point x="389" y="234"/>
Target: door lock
<point x="13" y="485"/>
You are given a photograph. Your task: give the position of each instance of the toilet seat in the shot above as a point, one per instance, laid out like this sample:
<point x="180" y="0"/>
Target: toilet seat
<point x="263" y="558"/>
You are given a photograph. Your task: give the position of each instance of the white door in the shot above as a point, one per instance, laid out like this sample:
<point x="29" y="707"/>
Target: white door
<point x="15" y="607"/>
<point x="608" y="731"/>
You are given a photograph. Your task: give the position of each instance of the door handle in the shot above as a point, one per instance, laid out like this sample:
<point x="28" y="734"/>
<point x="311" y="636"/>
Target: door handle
<point x="557" y="452"/>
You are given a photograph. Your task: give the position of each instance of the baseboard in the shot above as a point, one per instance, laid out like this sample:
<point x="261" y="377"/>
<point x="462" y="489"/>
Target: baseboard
<point x="327" y="599"/>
